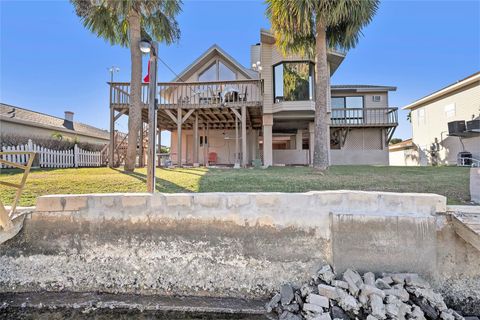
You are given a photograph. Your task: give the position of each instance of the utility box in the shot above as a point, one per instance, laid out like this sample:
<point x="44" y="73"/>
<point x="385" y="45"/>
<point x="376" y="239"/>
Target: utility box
<point x="456" y="127"/>
<point x="473" y="125"/>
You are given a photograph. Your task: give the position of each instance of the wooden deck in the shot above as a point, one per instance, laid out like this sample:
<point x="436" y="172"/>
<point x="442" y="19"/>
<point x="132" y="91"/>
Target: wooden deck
<point x="466" y="221"/>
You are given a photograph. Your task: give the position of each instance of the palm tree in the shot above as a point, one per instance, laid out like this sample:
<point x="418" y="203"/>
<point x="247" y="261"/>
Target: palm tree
<point x="309" y="28"/>
<point x="126" y="22"/>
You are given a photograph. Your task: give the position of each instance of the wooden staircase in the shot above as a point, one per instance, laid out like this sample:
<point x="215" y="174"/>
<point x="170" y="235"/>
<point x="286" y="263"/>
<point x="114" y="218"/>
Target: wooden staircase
<point x="120" y="148"/>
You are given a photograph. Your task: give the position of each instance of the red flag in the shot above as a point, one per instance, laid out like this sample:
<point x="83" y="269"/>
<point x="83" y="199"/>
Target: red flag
<point x="147" y="77"/>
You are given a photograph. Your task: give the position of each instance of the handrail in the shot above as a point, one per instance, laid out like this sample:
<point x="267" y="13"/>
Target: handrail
<point x="6" y="218"/>
<point x="474" y="162"/>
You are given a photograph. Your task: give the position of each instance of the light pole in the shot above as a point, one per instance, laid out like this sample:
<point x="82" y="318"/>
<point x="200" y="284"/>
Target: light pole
<point x="147" y="46"/>
<point x="112" y="70"/>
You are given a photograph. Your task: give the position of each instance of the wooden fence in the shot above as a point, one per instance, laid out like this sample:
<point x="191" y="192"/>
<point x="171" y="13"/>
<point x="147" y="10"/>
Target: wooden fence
<point x="47" y="158"/>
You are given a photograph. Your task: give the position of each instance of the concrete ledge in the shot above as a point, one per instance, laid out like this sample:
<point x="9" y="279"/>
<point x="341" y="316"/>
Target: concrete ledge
<point x="232" y="245"/>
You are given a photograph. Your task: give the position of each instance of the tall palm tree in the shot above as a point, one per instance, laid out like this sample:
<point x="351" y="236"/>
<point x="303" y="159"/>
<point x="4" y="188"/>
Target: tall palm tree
<point x="309" y="28"/>
<point x="126" y="22"/>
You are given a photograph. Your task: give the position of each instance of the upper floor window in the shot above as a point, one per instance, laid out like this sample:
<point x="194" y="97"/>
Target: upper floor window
<point x="450" y="110"/>
<point x="217" y="71"/>
<point x="421" y="116"/>
<point x="293" y="81"/>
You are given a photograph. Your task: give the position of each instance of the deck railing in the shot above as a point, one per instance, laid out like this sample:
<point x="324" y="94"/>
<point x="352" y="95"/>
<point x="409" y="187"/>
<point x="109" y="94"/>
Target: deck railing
<point x="364" y="116"/>
<point x="194" y="94"/>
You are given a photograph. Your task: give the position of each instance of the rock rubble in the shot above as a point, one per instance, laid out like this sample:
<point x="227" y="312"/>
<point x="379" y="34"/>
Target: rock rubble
<point x="327" y="296"/>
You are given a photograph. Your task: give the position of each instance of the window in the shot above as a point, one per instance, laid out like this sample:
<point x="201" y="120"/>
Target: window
<point x="450" y="110"/>
<point x="376" y="98"/>
<point x="225" y="73"/>
<point x="421" y="116"/>
<point x="293" y="81"/>
<point x="217" y="71"/>
<point x="203" y="140"/>
<point x="347" y="110"/>
<point x="210" y="74"/>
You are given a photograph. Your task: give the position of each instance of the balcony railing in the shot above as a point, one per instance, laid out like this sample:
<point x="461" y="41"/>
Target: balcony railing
<point x="361" y="117"/>
<point x="194" y="94"/>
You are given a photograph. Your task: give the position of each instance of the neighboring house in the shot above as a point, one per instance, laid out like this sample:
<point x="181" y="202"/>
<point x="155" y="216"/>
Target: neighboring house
<point x="225" y="113"/>
<point x="446" y="123"/>
<point x="404" y="153"/>
<point x="15" y="121"/>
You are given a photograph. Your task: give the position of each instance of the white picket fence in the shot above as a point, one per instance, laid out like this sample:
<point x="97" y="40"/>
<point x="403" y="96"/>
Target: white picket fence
<point x="48" y="158"/>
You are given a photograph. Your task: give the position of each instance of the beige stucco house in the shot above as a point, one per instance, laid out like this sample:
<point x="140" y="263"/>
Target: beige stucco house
<point x="220" y="112"/>
<point x="446" y="123"/>
<point x="21" y="122"/>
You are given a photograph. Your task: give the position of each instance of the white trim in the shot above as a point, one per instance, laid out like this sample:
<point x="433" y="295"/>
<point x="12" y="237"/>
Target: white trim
<point x="444" y="91"/>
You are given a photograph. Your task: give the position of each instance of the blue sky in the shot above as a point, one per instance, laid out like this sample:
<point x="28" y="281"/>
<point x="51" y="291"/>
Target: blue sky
<point x="50" y="63"/>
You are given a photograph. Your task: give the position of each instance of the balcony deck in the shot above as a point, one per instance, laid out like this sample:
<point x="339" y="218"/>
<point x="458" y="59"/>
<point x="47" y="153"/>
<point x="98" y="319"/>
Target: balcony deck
<point x="216" y="102"/>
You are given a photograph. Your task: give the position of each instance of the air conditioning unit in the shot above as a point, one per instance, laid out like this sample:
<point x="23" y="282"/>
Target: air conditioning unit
<point x="456" y="127"/>
<point x="473" y="125"/>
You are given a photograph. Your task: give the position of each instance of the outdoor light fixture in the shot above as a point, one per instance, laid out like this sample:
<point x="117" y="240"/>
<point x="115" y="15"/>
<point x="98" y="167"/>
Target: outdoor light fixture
<point x="145" y="46"/>
<point x="257" y="66"/>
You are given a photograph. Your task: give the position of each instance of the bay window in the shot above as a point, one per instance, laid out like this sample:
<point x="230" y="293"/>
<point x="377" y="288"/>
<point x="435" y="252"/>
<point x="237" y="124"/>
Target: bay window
<point x="293" y="81"/>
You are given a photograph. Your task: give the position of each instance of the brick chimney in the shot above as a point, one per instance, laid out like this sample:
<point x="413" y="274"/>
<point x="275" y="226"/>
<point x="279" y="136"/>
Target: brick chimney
<point x="69" y="116"/>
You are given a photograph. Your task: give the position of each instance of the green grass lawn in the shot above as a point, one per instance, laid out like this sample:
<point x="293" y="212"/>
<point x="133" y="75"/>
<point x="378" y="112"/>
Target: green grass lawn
<point x="449" y="181"/>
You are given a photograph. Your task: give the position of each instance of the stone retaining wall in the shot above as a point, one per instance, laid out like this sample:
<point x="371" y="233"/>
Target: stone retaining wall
<point x="232" y="244"/>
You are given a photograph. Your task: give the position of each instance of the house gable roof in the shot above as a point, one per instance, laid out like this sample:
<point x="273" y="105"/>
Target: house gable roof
<point x="29" y="117"/>
<point x="206" y="56"/>
<point x="459" y="85"/>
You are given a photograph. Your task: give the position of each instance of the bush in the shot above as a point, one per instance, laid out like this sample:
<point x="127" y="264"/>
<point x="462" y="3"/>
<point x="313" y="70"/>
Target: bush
<point x="53" y="143"/>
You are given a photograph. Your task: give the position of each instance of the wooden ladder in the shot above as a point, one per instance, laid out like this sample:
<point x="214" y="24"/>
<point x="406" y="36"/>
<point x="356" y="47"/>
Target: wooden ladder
<point x="7" y="217"/>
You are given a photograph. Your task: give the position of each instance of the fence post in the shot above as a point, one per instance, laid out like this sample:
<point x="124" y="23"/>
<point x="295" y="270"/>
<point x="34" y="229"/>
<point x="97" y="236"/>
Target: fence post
<point x="75" y="155"/>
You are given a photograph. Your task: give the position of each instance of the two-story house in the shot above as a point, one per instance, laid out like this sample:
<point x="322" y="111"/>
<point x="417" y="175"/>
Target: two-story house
<point x="446" y="124"/>
<point x="220" y="112"/>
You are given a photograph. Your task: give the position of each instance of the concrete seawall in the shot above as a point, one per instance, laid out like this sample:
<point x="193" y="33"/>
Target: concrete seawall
<point x="237" y="245"/>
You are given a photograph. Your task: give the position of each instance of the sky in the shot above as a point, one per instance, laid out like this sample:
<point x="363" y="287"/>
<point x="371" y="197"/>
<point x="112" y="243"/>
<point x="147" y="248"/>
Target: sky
<point x="50" y="63"/>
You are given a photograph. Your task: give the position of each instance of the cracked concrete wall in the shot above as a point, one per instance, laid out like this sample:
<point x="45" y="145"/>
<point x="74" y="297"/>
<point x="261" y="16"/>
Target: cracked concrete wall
<point x="222" y="244"/>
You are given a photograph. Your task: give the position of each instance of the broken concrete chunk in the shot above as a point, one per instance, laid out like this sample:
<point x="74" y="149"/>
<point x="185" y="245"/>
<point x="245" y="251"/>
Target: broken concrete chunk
<point x="293" y="307"/>
<point x="446" y="316"/>
<point x="377" y="306"/>
<point x="416" y="281"/>
<point x="369" y="290"/>
<point x="349" y="303"/>
<point x="312" y="307"/>
<point x="306" y="289"/>
<point x="326" y="274"/>
<point x="416" y="313"/>
<point x="319" y="300"/>
<point x="273" y="302"/>
<point x="340" y="284"/>
<point x="286" y="293"/>
<point x="400" y="277"/>
<point x="380" y="283"/>
<point x="328" y="291"/>
<point x="354" y="281"/>
<point x="402" y="294"/>
<point x="370" y="317"/>
<point x="369" y="278"/>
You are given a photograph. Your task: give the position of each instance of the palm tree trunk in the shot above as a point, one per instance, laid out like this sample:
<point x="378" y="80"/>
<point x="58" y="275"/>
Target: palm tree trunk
<point x="135" y="109"/>
<point x="322" y="130"/>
